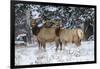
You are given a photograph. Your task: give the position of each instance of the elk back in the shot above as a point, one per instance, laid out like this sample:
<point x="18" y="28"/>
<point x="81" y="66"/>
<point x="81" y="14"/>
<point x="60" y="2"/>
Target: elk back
<point x="47" y="35"/>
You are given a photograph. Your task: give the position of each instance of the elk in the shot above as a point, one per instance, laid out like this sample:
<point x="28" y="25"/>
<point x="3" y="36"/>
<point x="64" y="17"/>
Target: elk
<point x="71" y="36"/>
<point x="45" y="34"/>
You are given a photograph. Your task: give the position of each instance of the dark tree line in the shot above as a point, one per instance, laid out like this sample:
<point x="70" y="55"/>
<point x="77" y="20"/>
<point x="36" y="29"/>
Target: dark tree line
<point x="66" y="16"/>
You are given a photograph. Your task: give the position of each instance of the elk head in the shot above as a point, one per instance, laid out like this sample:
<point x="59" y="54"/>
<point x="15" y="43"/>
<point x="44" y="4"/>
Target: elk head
<point x="35" y="28"/>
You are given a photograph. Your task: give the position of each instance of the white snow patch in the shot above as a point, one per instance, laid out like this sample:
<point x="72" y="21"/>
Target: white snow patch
<point x="21" y="35"/>
<point x="40" y="25"/>
<point x="70" y="53"/>
<point x="19" y="42"/>
<point x="35" y="14"/>
<point x="51" y="8"/>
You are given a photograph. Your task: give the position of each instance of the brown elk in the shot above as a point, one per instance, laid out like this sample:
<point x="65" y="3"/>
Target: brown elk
<point x="71" y="35"/>
<point x="45" y="34"/>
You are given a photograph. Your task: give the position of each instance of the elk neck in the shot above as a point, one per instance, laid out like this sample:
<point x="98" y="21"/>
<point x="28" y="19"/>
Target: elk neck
<point x="36" y="30"/>
<point x="57" y="31"/>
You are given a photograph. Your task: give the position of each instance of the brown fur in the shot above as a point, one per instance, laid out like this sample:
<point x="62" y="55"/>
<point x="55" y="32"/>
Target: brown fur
<point x="45" y="34"/>
<point x="71" y="36"/>
<point x="57" y="35"/>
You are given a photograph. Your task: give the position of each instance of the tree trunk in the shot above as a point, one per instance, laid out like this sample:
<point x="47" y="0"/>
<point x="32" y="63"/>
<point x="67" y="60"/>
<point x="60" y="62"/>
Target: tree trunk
<point x="29" y="31"/>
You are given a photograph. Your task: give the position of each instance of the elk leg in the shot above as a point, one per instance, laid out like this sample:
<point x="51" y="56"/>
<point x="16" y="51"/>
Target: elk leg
<point x="60" y="45"/>
<point x="65" y="43"/>
<point x="78" y="43"/>
<point x="44" y="45"/>
<point x="39" y="44"/>
<point x="57" y="45"/>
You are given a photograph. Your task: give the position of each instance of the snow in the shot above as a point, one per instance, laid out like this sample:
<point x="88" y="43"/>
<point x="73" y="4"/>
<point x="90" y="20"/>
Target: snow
<point x="91" y="37"/>
<point x="19" y="42"/>
<point x="50" y="8"/>
<point x="40" y="25"/>
<point x="35" y="14"/>
<point x="31" y="55"/>
<point x="21" y="35"/>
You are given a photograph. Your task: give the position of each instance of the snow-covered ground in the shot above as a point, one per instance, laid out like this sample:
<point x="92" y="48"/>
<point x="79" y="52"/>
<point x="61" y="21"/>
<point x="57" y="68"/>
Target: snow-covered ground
<point x="31" y="55"/>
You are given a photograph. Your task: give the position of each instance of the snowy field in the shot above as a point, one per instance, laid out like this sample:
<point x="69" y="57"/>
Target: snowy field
<point x="31" y="55"/>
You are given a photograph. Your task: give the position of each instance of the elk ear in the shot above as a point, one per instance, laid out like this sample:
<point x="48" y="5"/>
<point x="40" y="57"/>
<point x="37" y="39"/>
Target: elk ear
<point x="80" y="33"/>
